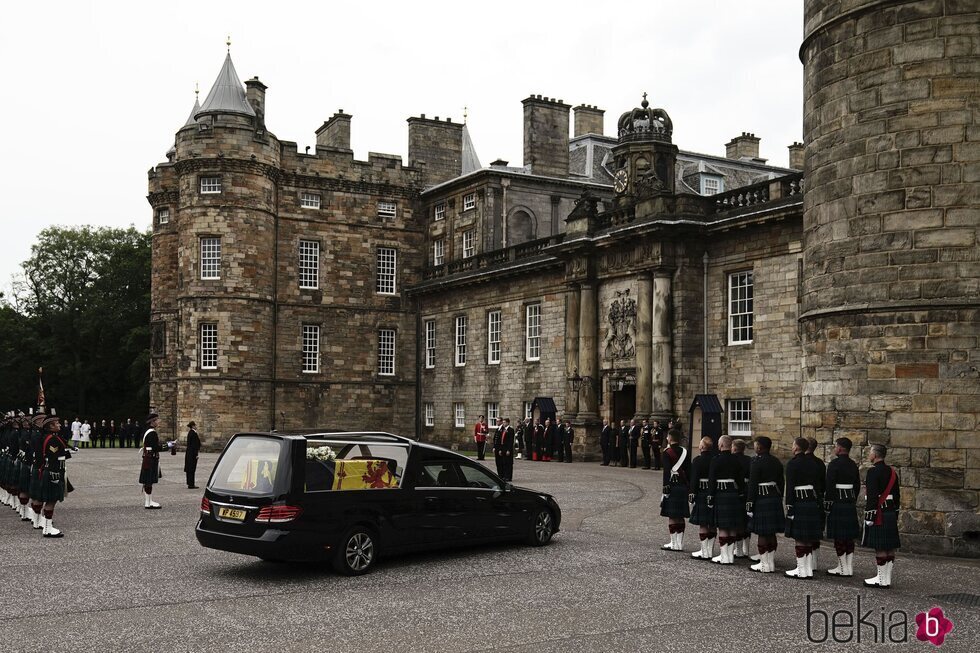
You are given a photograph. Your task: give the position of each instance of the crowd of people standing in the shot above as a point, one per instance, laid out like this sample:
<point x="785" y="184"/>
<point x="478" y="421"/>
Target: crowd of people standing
<point x="106" y="433"/>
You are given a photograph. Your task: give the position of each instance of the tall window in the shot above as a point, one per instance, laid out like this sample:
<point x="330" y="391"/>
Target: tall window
<point x="210" y="185"/>
<point x="460" y="412"/>
<point x="460" y="340"/>
<point x="311" y="348"/>
<point x="208" y="346"/>
<point x="493" y="413"/>
<point x="740" y="417"/>
<point x="430" y="344"/>
<point x="469" y="246"/>
<point x="210" y="258"/>
<point x="386" y="352"/>
<point x="163" y="216"/>
<point x="533" y="332"/>
<point x="309" y="200"/>
<point x="309" y="264"/>
<point x="387" y="258"/>
<point x="527" y="409"/>
<point x="430" y="414"/>
<point x="740" y="308"/>
<point x="387" y="209"/>
<point x="469" y="201"/>
<point x="438" y="251"/>
<point x="493" y="337"/>
<point x="441" y="211"/>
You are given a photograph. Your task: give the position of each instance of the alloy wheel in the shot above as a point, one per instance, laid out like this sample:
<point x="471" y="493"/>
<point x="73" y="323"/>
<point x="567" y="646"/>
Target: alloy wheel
<point x="360" y="551"/>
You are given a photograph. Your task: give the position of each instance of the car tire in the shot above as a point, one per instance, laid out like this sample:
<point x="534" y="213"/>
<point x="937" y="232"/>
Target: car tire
<point x="542" y="527"/>
<point x="356" y="552"/>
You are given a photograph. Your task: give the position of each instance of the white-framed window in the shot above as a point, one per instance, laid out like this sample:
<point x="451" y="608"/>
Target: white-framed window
<point x="440" y="211"/>
<point x="493" y="413"/>
<point x="493" y="337"/>
<point x="740" y="417"/>
<point x="207" y="344"/>
<point x="469" y="201"/>
<point x="533" y="333"/>
<point x="459" y="411"/>
<point x="309" y="264"/>
<point x="430" y="413"/>
<point x="711" y="185"/>
<point x="210" y="185"/>
<point x="527" y="409"/>
<point x="387" y="209"/>
<point x="210" y="257"/>
<point x="163" y="215"/>
<point x="740" y="308"/>
<point x="460" y="340"/>
<point x="309" y="200"/>
<point x="430" y="344"/>
<point x="469" y="243"/>
<point x="438" y="251"/>
<point x="387" y="259"/>
<point x="311" y="348"/>
<point x="386" y="352"/>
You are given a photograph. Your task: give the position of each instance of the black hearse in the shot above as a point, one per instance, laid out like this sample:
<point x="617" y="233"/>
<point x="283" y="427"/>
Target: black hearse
<point x="350" y="497"/>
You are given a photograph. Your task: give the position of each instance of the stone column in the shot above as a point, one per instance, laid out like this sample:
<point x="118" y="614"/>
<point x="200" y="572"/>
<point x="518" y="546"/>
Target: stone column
<point x="644" y="333"/>
<point x="662" y="377"/>
<point x="572" y="310"/>
<point x="588" y="407"/>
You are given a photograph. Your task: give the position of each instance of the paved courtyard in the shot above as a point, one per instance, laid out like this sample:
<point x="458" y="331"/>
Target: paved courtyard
<point x="129" y="579"/>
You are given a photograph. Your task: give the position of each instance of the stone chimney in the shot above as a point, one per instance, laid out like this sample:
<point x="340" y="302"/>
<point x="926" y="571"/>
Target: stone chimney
<point x="745" y="146"/>
<point x="255" y="94"/>
<point x="796" y="156"/>
<point x="588" y="119"/>
<point x="438" y="144"/>
<point x="335" y="132"/>
<point x="546" y="136"/>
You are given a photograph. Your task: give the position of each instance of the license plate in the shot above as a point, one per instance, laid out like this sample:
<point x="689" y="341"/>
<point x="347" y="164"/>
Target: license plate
<point x="231" y="513"/>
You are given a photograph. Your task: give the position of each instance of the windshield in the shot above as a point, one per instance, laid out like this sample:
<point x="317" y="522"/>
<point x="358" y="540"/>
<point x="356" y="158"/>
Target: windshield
<point x="248" y="466"/>
<point x="340" y="465"/>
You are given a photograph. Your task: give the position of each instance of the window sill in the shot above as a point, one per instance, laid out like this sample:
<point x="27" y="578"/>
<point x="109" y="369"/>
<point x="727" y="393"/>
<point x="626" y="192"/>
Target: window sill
<point x="741" y="343"/>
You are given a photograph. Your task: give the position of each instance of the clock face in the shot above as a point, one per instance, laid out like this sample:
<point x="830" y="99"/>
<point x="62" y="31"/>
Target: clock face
<point x="620" y="179"/>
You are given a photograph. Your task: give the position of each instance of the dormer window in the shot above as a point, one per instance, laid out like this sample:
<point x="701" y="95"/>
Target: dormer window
<point x="712" y="185"/>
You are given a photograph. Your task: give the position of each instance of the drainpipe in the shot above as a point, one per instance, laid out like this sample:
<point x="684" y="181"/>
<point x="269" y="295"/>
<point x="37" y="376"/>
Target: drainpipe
<point x="275" y="306"/>
<point x="704" y="322"/>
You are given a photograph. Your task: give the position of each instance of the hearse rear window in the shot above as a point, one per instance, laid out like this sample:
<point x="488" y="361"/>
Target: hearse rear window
<point x="340" y="465"/>
<point x="248" y="466"/>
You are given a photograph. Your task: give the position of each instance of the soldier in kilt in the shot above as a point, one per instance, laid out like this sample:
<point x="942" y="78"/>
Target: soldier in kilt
<point x="5" y="435"/>
<point x="881" y="515"/>
<point x="804" y="513"/>
<point x="840" y="494"/>
<point x="37" y="454"/>
<point x="150" y="467"/>
<point x="51" y="473"/>
<point x="12" y="449"/>
<point x="727" y="497"/>
<point x="26" y="459"/>
<point x="811" y="451"/>
<point x="742" y="535"/>
<point x="765" y="502"/>
<point x="701" y="511"/>
<point x="673" y="504"/>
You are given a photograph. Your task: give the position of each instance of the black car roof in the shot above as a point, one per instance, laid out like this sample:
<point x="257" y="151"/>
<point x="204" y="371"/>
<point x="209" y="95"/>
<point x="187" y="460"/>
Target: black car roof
<point x="367" y="436"/>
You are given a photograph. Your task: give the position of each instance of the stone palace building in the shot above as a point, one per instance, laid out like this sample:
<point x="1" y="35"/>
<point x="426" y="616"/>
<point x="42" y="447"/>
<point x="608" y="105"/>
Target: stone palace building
<point x="615" y="276"/>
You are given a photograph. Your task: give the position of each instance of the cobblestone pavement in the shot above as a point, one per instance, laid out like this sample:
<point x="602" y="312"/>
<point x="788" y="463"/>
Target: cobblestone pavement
<point x="129" y="579"/>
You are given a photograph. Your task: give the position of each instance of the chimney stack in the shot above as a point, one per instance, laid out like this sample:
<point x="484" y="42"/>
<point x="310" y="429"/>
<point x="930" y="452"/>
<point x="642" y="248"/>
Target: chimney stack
<point x="335" y="132"/>
<point x="439" y="145"/>
<point x="255" y="94"/>
<point x="745" y="146"/>
<point x="588" y="120"/>
<point x="796" y="156"/>
<point x="546" y="136"/>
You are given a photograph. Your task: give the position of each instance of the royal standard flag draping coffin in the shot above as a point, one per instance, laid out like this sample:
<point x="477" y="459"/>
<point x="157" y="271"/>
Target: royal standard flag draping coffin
<point x="363" y="475"/>
<point x="259" y="475"/>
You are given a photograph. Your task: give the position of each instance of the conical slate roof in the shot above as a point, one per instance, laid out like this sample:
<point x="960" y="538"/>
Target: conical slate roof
<point x="196" y="110"/>
<point x="471" y="161"/>
<point x="227" y="95"/>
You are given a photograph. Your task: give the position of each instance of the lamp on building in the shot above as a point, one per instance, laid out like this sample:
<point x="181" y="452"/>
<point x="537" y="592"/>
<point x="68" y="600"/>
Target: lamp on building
<point x="578" y="381"/>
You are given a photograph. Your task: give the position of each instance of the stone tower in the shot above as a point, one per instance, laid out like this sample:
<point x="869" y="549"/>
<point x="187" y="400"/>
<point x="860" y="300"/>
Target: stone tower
<point x="891" y="280"/>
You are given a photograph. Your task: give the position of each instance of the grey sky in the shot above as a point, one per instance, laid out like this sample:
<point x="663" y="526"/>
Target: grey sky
<point x="94" y="91"/>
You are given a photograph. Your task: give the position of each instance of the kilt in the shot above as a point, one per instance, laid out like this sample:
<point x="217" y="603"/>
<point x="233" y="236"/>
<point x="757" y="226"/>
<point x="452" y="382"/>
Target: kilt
<point x="767" y="515"/>
<point x="51" y="487"/>
<point x="701" y="514"/>
<point x="150" y="470"/>
<point x="884" y="537"/>
<point x="842" y="523"/>
<point x="807" y="521"/>
<point x="13" y="478"/>
<point x="24" y="477"/>
<point x="4" y="468"/>
<point x="675" y="505"/>
<point x="34" y="491"/>
<point x="729" y="511"/>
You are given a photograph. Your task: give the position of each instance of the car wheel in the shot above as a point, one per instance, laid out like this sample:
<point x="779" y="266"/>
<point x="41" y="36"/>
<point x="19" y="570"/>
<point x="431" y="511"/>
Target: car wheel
<point x="356" y="553"/>
<point x="542" y="528"/>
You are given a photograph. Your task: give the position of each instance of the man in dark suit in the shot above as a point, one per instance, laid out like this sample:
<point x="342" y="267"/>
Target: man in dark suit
<point x="191" y="453"/>
<point x="606" y="440"/>
<point x="634" y="442"/>
<point x="503" y="450"/>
